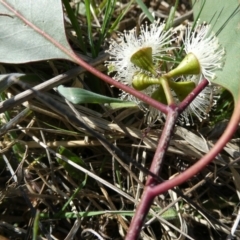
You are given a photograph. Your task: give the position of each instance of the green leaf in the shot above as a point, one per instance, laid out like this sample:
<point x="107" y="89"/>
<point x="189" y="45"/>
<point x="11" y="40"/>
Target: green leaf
<point x="79" y="95"/>
<point x="224" y="18"/>
<point x="33" y="32"/>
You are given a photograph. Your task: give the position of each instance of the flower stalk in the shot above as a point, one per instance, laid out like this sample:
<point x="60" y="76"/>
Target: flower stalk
<point x="167" y="90"/>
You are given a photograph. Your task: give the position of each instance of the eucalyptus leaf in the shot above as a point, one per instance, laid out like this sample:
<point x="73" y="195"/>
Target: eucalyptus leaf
<point x="22" y="42"/>
<point x="224" y="17"/>
<point x="79" y="95"/>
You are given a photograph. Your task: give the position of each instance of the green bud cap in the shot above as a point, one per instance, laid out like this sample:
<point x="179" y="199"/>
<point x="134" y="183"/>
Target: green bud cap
<point x="143" y="59"/>
<point x="159" y="95"/>
<point x="188" y="66"/>
<point x="141" y="81"/>
<point x="182" y="89"/>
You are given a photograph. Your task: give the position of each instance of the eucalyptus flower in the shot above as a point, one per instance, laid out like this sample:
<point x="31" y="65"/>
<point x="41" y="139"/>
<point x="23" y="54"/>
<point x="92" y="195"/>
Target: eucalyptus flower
<point x="132" y="53"/>
<point x="205" y="46"/>
<point x="135" y="59"/>
<point x="204" y="53"/>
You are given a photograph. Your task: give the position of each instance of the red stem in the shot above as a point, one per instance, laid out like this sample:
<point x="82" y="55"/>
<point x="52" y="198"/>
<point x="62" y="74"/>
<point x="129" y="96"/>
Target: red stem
<point x="184" y="104"/>
<point x="148" y="195"/>
<point x="205" y="160"/>
<point x="163" y="143"/>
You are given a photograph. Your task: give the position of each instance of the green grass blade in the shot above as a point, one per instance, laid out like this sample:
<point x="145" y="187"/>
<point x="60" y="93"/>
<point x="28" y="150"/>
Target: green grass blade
<point x="145" y="10"/>
<point x="120" y="105"/>
<point x="170" y="214"/>
<point x="81" y="186"/>
<point x="35" y="226"/>
<point x="171" y="16"/>
<point x="119" y="18"/>
<point x="89" y="27"/>
<point x="75" y="25"/>
<point x="106" y="22"/>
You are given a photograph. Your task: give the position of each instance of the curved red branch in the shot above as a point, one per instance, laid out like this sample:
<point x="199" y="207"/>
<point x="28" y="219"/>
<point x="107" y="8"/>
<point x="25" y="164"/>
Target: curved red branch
<point x="198" y="166"/>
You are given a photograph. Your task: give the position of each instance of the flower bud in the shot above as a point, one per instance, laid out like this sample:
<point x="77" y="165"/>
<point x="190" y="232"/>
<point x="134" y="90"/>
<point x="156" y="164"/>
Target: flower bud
<point x="159" y="95"/>
<point x="143" y="59"/>
<point x="188" y="66"/>
<point x="182" y="89"/>
<point x="141" y="81"/>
